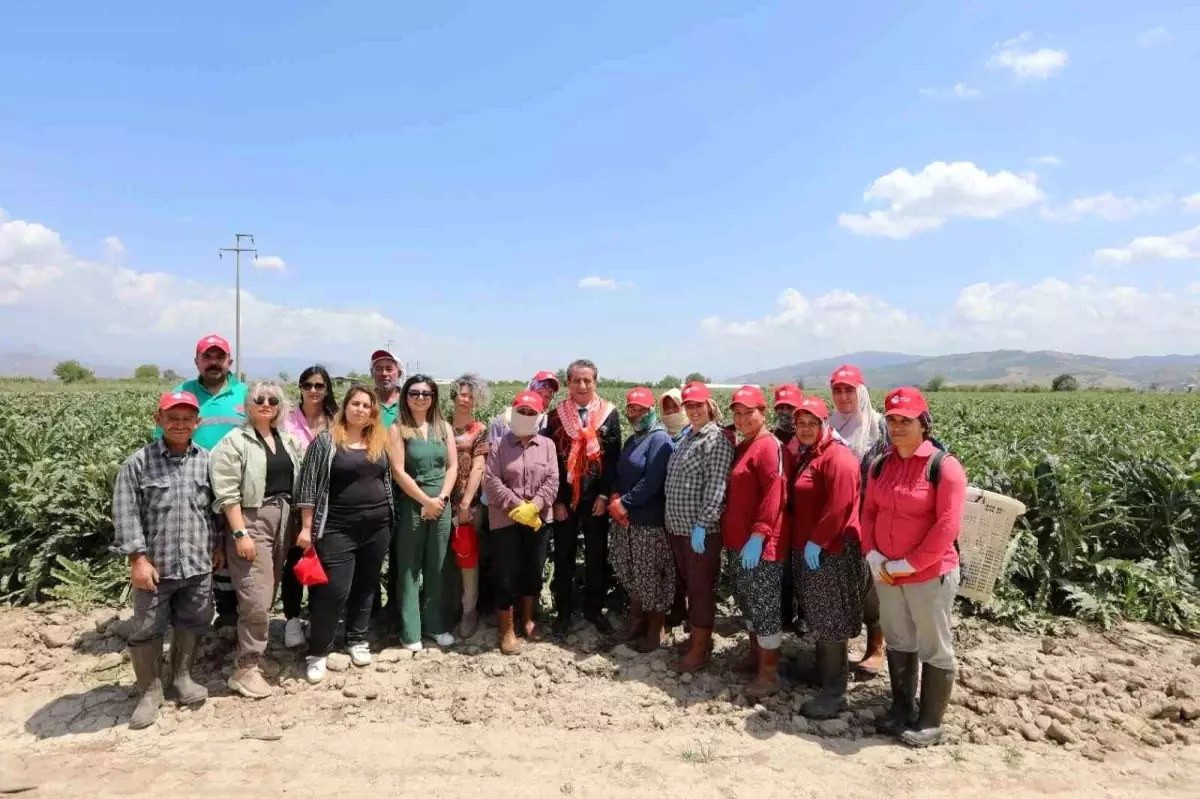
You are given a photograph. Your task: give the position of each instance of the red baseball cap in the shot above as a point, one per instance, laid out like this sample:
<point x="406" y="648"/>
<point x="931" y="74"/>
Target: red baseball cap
<point x="546" y="377"/>
<point x="175" y="398"/>
<point x="529" y="399"/>
<point x="788" y="394"/>
<point x="379" y="355"/>
<point x="213" y="340"/>
<point x="905" y="401"/>
<point x="640" y="396"/>
<point x="750" y="396"/>
<point x="815" y="406"/>
<point x="696" y="392"/>
<point x="848" y="374"/>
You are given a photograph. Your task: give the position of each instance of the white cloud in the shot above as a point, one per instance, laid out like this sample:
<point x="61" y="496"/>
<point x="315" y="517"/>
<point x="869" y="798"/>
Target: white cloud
<point x="1153" y="36"/>
<point x="271" y="262"/>
<point x="115" y="250"/>
<point x="1192" y="203"/>
<point x="1046" y="160"/>
<point x="1106" y="206"/>
<point x="940" y="191"/>
<point x="603" y="283"/>
<point x="1024" y="63"/>
<point x="1175" y="247"/>
<point x="959" y="91"/>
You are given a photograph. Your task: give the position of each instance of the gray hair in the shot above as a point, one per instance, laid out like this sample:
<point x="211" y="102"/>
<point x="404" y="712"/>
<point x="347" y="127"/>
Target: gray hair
<point x="583" y="363"/>
<point x="270" y="388"/>
<point x="481" y="392"/>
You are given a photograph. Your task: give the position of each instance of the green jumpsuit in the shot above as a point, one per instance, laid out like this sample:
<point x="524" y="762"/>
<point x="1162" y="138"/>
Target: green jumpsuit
<point x="419" y="547"/>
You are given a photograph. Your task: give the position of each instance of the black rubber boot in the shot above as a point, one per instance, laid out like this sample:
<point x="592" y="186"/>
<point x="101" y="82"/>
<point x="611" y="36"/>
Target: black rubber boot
<point x="902" y="669"/>
<point x="147" y="666"/>
<point x="183" y="655"/>
<point x="833" y="669"/>
<point x="936" y="687"/>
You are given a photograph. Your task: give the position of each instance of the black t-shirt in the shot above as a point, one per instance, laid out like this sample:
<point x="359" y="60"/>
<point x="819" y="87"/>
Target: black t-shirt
<point x="355" y="483"/>
<point x="280" y="474"/>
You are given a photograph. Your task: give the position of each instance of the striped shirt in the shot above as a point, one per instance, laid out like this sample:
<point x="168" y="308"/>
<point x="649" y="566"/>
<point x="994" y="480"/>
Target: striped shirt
<point x="312" y="489"/>
<point x="696" y="480"/>
<point x="162" y="508"/>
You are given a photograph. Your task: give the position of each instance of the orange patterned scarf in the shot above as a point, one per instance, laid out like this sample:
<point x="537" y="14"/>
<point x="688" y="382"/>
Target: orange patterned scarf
<point x="585" y="443"/>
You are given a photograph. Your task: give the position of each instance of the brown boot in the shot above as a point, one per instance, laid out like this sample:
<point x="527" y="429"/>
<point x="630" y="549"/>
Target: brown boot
<point x="529" y="627"/>
<point x="637" y="624"/>
<point x="872" y="661"/>
<point x="749" y="663"/>
<point x="651" y="639"/>
<point x="698" y="651"/>
<point x="766" y="682"/>
<point x="508" y="642"/>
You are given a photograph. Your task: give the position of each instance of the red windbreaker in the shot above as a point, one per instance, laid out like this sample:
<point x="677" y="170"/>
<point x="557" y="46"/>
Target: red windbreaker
<point x="756" y="496"/>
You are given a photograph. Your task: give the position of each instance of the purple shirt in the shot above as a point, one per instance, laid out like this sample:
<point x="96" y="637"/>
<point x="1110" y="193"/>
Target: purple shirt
<point x="518" y="472"/>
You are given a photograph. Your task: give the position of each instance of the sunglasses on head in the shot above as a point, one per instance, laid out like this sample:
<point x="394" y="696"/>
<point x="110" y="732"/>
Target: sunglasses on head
<point x="311" y="386"/>
<point x="419" y="394"/>
<point x="263" y="399"/>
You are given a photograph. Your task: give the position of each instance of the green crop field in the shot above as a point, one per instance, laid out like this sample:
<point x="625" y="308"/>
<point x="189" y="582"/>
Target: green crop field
<point x="1111" y="482"/>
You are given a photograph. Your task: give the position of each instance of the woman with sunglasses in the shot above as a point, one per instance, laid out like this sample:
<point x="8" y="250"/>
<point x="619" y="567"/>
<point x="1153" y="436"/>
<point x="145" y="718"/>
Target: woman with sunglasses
<point x="425" y="464"/>
<point x="306" y="421"/>
<point x="254" y="470"/>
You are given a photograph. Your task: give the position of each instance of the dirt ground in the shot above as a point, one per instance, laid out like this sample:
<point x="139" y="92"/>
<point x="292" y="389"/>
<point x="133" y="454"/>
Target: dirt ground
<point x="1080" y="714"/>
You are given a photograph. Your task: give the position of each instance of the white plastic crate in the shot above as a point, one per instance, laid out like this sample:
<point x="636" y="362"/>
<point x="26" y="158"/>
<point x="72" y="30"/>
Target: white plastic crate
<point x="987" y="527"/>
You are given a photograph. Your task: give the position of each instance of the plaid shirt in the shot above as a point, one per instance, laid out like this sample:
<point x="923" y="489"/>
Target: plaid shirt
<point x="162" y="508"/>
<point x="696" y="478"/>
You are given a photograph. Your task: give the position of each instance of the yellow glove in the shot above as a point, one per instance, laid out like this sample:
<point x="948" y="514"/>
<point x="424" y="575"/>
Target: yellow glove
<point x="527" y="514"/>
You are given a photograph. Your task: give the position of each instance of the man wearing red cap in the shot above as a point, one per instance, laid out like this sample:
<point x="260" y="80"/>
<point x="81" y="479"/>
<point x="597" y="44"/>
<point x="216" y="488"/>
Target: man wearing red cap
<point x="222" y="399"/>
<point x="387" y="372"/>
<point x="164" y="525"/>
<point x="586" y="430"/>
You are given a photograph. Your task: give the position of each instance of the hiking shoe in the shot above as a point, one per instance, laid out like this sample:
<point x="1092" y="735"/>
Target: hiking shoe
<point x="315" y="669"/>
<point x="293" y="634"/>
<point x="249" y="682"/>
<point x="360" y="654"/>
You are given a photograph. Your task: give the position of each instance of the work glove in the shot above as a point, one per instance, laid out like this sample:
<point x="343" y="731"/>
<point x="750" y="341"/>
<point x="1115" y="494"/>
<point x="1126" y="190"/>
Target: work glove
<point x="812" y="555"/>
<point x="875" y="560"/>
<point x="527" y="514"/>
<point x="698" y="534"/>
<point x="752" y="552"/>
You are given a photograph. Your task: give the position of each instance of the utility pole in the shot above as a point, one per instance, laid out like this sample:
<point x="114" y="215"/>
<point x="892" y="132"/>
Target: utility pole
<point x="237" y="249"/>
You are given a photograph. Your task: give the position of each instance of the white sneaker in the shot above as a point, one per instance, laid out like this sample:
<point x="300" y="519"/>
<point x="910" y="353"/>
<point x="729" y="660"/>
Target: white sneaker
<point x="444" y="639"/>
<point x="415" y="646"/>
<point x="360" y="654"/>
<point x="293" y="634"/>
<point x="316" y="669"/>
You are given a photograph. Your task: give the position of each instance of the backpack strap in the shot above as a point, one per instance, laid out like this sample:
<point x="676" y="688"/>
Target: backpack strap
<point x="877" y="465"/>
<point x="933" y="467"/>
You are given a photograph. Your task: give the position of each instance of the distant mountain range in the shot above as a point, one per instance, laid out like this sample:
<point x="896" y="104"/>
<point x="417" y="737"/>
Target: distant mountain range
<point x="41" y="365"/>
<point x="1005" y="367"/>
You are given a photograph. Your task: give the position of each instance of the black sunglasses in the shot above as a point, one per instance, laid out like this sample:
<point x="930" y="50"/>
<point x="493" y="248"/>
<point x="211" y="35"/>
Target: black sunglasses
<point x="310" y="386"/>
<point x="418" y="394"/>
<point x="262" y="399"/>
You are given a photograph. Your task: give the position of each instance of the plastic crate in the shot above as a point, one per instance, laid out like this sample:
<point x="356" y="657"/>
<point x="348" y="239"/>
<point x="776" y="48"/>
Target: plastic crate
<point x="987" y="527"/>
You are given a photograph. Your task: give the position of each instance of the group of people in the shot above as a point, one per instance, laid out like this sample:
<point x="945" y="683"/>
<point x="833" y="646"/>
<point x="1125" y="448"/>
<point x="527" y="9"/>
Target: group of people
<point x="849" y="516"/>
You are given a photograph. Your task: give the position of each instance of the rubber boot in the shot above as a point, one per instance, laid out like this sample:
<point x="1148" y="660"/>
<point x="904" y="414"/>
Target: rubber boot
<point x="749" y="662"/>
<point x="529" y="627"/>
<point x="766" y="682"/>
<point x="833" y="667"/>
<point x="651" y="639"/>
<point x="699" y="649"/>
<point x="147" y="667"/>
<point x="936" y="687"/>
<point x="872" y="661"/>
<point x="183" y="655"/>
<point x="902" y="668"/>
<point x="508" y="642"/>
<point x="637" y="623"/>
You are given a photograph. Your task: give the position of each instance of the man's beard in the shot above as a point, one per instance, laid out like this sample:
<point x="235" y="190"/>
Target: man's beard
<point x="385" y="384"/>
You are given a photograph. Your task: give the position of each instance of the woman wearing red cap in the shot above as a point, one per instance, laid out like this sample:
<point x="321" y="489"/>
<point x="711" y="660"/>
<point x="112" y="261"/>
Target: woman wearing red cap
<point x="640" y="553"/>
<point x="697" y="476"/>
<point x="827" y="550"/>
<point x="521" y="478"/>
<point x="910" y="524"/>
<point x="752" y="529"/>
<point x="865" y="432"/>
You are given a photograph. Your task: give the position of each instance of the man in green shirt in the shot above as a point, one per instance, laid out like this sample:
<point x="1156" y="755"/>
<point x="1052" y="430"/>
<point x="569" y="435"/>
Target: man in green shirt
<point x="387" y="372"/>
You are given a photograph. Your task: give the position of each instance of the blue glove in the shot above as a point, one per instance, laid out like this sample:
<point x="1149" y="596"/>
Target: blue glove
<point x="752" y="552"/>
<point x="698" y="534"/>
<point x="812" y="555"/>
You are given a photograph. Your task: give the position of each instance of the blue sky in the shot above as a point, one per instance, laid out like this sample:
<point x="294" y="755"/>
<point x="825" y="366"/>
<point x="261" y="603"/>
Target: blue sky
<point x="445" y="175"/>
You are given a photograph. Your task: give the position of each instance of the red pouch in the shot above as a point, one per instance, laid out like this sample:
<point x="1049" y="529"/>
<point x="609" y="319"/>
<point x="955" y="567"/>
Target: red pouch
<point x="309" y="570"/>
<point x="464" y="542"/>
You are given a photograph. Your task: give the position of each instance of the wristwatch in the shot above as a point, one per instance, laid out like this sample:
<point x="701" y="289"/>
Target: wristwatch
<point x="238" y="534"/>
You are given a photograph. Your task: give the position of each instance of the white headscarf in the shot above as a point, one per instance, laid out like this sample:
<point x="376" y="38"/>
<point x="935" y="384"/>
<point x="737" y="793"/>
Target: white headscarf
<point x="860" y="430"/>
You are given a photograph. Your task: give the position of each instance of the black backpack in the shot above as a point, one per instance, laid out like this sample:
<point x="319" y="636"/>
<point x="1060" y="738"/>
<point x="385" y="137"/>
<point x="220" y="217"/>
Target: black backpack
<point x="933" y="473"/>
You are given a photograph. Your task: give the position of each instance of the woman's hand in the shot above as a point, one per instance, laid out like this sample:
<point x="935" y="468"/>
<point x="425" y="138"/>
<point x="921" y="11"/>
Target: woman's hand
<point x="752" y="552"/>
<point x="304" y="540"/>
<point x="245" y="548"/>
<point x="431" y="508"/>
<point x="600" y="506"/>
<point x="464" y="515"/>
<point x="560" y="512"/>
